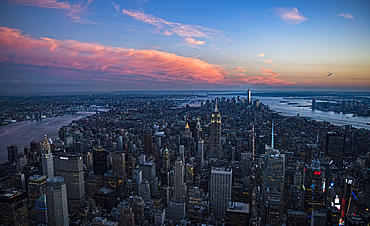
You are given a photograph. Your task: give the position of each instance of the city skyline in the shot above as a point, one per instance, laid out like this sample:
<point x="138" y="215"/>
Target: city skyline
<point x="69" y="46"/>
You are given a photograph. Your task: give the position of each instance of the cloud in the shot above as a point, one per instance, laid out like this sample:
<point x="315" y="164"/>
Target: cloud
<point x="270" y="62"/>
<point x="72" y="11"/>
<point x="290" y="15"/>
<point x="261" y="54"/>
<point x="115" y="63"/>
<point x="192" y="42"/>
<point x="171" y="28"/>
<point x="346" y="15"/>
<point x="51" y="4"/>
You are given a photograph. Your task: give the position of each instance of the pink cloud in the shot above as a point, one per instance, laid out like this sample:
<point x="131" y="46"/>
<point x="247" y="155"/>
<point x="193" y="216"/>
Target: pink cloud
<point x="52" y="4"/>
<point x="290" y="15"/>
<point x="268" y="77"/>
<point x="116" y="62"/>
<point x="192" y="42"/>
<point x="171" y="28"/>
<point x="270" y="62"/>
<point x="261" y="54"/>
<point x="346" y="15"/>
<point x="72" y="11"/>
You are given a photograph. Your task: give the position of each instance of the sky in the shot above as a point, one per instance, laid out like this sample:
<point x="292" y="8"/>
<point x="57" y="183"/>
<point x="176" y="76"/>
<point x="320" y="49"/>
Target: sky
<point x="56" y="46"/>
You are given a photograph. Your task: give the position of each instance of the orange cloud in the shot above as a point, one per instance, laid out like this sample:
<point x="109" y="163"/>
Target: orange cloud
<point x="290" y="15"/>
<point x="261" y="54"/>
<point x="116" y="62"/>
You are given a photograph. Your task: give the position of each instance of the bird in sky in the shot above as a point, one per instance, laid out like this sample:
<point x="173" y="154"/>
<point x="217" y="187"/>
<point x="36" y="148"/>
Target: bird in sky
<point x="330" y="73"/>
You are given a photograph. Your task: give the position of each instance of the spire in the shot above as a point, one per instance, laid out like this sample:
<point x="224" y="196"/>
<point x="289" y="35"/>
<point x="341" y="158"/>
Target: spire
<point x="216" y="109"/>
<point x="187" y="126"/>
<point x="272" y="135"/>
<point x="46" y="145"/>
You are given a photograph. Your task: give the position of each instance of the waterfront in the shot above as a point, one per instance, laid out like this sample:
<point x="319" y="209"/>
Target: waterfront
<point x="22" y="133"/>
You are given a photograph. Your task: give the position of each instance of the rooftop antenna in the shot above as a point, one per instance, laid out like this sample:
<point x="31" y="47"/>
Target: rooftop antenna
<point x="272" y="135"/>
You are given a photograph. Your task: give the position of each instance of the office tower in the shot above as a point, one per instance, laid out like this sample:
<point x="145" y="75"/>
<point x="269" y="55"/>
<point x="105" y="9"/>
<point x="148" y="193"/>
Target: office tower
<point x="175" y="212"/>
<point x="200" y="156"/>
<point x="166" y="165"/>
<point x="70" y="167"/>
<point x="238" y="213"/>
<point x="197" y="207"/>
<point x="215" y="135"/>
<point x="318" y="218"/>
<point x="88" y="160"/>
<point x="187" y="131"/>
<point x="94" y="183"/>
<point x="20" y="181"/>
<point x="14" y="208"/>
<point x="182" y="152"/>
<point x="100" y="161"/>
<point x="314" y="187"/>
<point x="12" y="154"/>
<point x="106" y="198"/>
<point x="296" y="218"/>
<point x="273" y="187"/>
<point x="41" y="210"/>
<point x="149" y="172"/>
<point x="148" y="143"/>
<point x="220" y="190"/>
<point x="36" y="188"/>
<point x="335" y="148"/>
<point x="119" y="144"/>
<point x="139" y="217"/>
<point x="189" y="174"/>
<point x="249" y="97"/>
<point x="118" y="166"/>
<point x="144" y="190"/>
<point x="56" y="199"/>
<point x="47" y="159"/>
<point x="127" y="216"/>
<point x="137" y="177"/>
<point x="178" y="178"/>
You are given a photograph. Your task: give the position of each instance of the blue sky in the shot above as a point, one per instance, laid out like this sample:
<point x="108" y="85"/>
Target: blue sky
<point x="183" y="45"/>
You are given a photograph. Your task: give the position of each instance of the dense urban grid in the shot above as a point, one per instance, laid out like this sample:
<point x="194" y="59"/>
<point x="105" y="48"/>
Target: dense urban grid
<point x="149" y="160"/>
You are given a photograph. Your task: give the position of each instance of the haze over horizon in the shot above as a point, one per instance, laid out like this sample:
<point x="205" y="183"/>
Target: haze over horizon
<point x="102" y="46"/>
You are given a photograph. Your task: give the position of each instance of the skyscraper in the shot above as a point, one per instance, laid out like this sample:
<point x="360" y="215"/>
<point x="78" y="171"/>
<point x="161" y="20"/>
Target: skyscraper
<point x="119" y="143"/>
<point x="12" y="153"/>
<point x="249" y="97"/>
<point x="36" y="188"/>
<point x="179" y="185"/>
<point x="215" y="135"/>
<point x="314" y="187"/>
<point x="137" y="177"/>
<point x="166" y="160"/>
<point x="14" y="208"/>
<point x="118" y="166"/>
<point x="47" y="159"/>
<point x="56" y="198"/>
<point x="100" y="158"/>
<point x="220" y="190"/>
<point x="335" y="148"/>
<point x="70" y="167"/>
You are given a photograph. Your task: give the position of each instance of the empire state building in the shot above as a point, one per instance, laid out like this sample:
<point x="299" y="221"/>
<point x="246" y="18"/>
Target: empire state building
<point x="215" y="135"/>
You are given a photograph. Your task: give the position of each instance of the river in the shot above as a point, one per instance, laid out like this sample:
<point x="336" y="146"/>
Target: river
<point x="22" y="133"/>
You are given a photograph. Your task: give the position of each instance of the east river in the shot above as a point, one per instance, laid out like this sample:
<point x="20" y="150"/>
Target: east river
<point x="22" y="133"/>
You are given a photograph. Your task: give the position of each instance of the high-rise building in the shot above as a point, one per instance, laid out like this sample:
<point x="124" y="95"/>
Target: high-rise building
<point x="119" y="144"/>
<point x="314" y="187"/>
<point x="100" y="161"/>
<point x="36" y="188"/>
<point x="118" y="166"/>
<point x="70" y="167"/>
<point x="137" y="177"/>
<point x="127" y="216"/>
<point x="41" y="216"/>
<point x="335" y="144"/>
<point x="47" y="159"/>
<point x="249" y="97"/>
<point x="144" y="190"/>
<point x="139" y="210"/>
<point x="56" y="198"/>
<point x="189" y="174"/>
<point x="12" y="153"/>
<point x="179" y="185"/>
<point x="220" y="190"/>
<point x="148" y="143"/>
<point x="215" y="135"/>
<point x="106" y="198"/>
<point x="166" y="165"/>
<point x="14" y="208"/>
<point x="149" y="172"/>
<point x="200" y="156"/>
